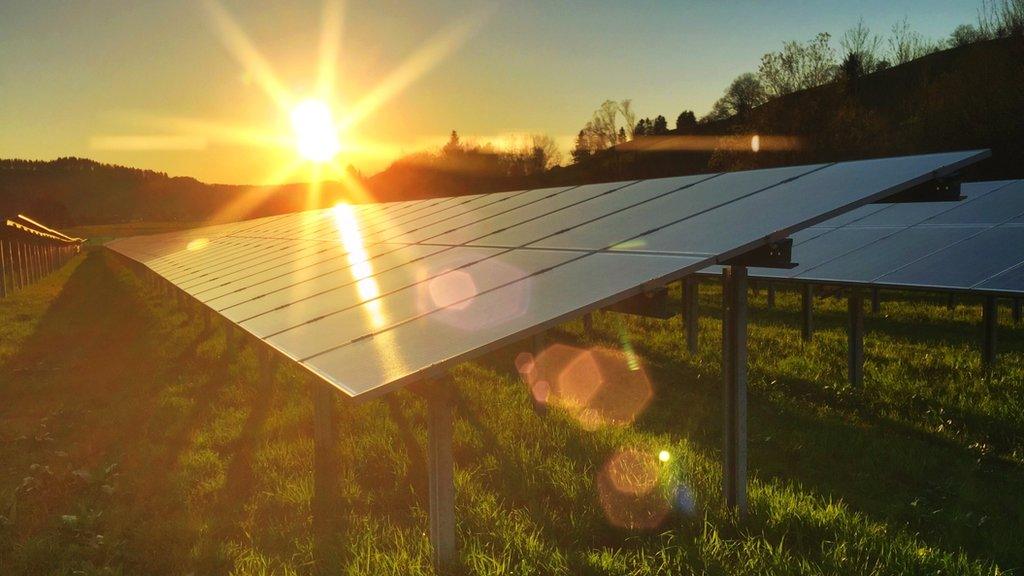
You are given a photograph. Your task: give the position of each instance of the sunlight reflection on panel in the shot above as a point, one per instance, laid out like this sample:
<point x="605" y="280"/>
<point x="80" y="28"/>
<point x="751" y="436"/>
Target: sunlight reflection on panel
<point x="630" y="490"/>
<point x="362" y="271"/>
<point x="449" y="290"/>
<point x="347" y="225"/>
<point x="598" y="386"/>
<point x="197" y="244"/>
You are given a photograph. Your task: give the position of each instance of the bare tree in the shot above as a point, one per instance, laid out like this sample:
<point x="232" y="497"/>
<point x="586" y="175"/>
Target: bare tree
<point x="628" y="116"/>
<point x="861" y="42"/>
<point x="1001" y="18"/>
<point x="545" y="147"/>
<point x="798" y="66"/>
<point x="906" y="44"/>
<point x="604" y="123"/>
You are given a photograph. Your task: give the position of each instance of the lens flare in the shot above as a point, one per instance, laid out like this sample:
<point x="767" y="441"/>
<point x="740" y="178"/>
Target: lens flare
<point x="452" y="289"/>
<point x="630" y="491"/>
<point x="598" y="386"/>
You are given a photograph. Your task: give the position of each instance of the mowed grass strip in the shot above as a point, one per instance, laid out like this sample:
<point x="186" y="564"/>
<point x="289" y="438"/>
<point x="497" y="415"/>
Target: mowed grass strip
<point x="132" y="443"/>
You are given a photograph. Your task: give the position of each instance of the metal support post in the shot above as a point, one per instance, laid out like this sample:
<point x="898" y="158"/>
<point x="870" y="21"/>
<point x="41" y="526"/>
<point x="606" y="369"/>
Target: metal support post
<point x="3" y="271"/>
<point x="441" y="475"/>
<point x="734" y="370"/>
<point x="691" y="312"/>
<point x="807" y="312"/>
<point x="324" y="465"/>
<point x="990" y="321"/>
<point x="855" y="338"/>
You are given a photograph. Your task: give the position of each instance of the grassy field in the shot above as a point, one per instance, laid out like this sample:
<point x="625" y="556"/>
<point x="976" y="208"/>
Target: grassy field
<point x="132" y="444"/>
<point x="98" y="234"/>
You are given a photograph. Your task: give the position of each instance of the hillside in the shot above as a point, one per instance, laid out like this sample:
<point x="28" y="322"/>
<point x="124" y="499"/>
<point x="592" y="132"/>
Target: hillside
<point x="76" y="191"/>
<point x="960" y="98"/>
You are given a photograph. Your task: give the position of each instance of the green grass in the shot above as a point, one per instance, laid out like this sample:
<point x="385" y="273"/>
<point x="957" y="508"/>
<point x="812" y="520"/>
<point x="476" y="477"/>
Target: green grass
<point x="131" y="443"/>
<point x="99" y="234"/>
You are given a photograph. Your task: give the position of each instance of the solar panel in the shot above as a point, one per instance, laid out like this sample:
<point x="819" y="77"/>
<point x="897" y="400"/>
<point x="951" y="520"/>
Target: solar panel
<point x="372" y="297"/>
<point x="971" y="245"/>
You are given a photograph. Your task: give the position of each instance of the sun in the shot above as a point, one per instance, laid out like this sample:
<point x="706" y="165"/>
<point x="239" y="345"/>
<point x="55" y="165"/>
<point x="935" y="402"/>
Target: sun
<point x="316" y="134"/>
<point x="321" y="135"/>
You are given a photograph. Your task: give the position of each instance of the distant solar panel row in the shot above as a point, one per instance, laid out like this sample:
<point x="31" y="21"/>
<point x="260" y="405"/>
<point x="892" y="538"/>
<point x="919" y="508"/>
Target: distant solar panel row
<point x="375" y="296"/>
<point x="976" y="244"/>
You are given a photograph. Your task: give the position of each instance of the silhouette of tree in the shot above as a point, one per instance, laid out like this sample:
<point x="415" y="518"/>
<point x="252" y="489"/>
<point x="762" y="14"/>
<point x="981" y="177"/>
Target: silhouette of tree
<point x="859" y="41"/>
<point x="644" y="127"/>
<point x="581" y="149"/>
<point x="660" y="125"/>
<point x="852" y="67"/>
<point x="453" y="146"/>
<point x="965" y="34"/>
<point x="743" y="95"/>
<point x="1001" y="18"/>
<point x="545" y="152"/>
<point x="906" y="45"/>
<point x="628" y="115"/>
<point x="798" y="66"/>
<point x="686" y="122"/>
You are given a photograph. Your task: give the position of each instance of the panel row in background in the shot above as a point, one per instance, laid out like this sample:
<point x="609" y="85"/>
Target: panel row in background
<point x="972" y="245"/>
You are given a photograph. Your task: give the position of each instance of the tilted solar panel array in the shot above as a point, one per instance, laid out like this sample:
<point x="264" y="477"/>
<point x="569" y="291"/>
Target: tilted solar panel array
<point x="378" y="295"/>
<point x="976" y="244"/>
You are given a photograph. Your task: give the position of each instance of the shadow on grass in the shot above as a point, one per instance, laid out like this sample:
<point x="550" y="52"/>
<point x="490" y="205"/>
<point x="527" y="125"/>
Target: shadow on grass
<point x="892" y="471"/>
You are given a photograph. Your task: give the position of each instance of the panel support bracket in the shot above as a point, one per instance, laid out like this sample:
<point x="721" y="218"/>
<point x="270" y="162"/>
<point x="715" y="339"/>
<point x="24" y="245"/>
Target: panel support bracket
<point x="944" y="189"/>
<point x="777" y="254"/>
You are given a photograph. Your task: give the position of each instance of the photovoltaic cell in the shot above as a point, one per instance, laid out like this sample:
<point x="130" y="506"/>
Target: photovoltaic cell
<point x="974" y="244"/>
<point x="966" y="263"/>
<point x="374" y="296"/>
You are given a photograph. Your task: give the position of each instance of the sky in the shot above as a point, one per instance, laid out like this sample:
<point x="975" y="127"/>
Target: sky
<point x="155" y="84"/>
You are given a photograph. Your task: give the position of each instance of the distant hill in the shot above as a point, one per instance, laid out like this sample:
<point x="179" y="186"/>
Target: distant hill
<point x="961" y="98"/>
<point x="75" y="191"/>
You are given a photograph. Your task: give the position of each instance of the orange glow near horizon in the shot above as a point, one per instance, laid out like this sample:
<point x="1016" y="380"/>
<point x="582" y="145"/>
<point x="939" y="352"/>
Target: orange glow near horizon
<point x="323" y="135"/>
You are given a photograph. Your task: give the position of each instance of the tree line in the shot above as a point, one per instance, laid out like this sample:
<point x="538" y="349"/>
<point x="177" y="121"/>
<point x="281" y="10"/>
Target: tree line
<point x="801" y="66"/>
